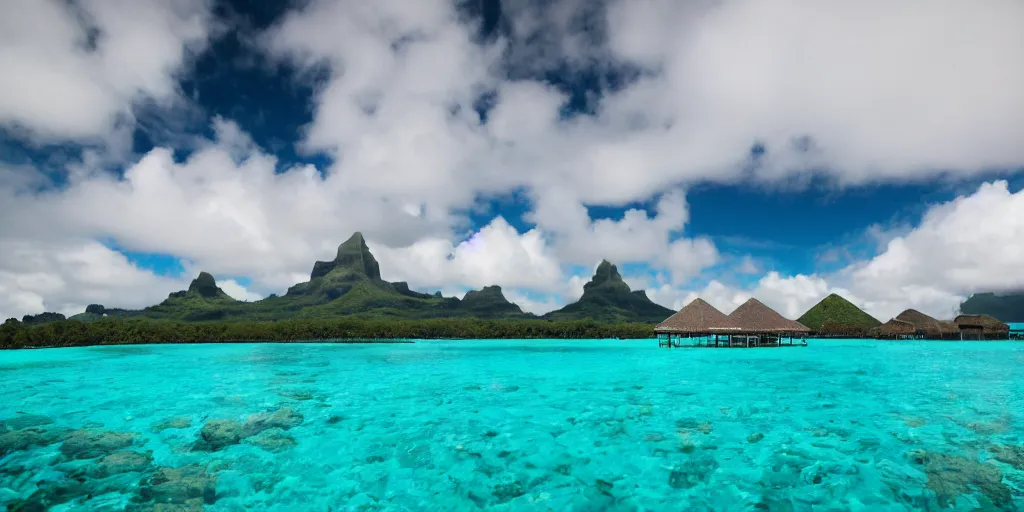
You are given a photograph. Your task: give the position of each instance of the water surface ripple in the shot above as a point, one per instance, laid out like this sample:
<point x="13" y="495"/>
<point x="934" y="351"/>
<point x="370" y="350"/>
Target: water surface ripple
<point x="514" y="425"/>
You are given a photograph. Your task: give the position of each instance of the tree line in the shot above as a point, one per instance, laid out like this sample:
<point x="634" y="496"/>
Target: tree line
<point x="118" y="331"/>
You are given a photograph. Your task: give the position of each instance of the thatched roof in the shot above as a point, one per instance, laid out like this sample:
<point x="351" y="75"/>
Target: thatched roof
<point x="928" y="325"/>
<point x="698" y="317"/>
<point x="754" y="316"/>
<point x="895" y="327"/>
<point x="986" y="323"/>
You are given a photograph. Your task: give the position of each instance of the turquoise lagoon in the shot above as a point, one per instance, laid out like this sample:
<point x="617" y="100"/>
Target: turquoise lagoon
<point x="514" y="425"/>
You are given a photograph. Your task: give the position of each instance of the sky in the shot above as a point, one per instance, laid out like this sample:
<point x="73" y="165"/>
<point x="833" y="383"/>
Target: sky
<point x="718" y="148"/>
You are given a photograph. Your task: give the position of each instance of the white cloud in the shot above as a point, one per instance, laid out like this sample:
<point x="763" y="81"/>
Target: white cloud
<point x="532" y="304"/>
<point x="235" y="290"/>
<point x="907" y="100"/>
<point x="931" y="88"/>
<point x="228" y="215"/>
<point x="636" y="237"/>
<point x="67" y="276"/>
<point x="973" y="243"/>
<point x="748" y="265"/>
<point x="57" y="87"/>
<point x="791" y="296"/>
<point x="496" y="254"/>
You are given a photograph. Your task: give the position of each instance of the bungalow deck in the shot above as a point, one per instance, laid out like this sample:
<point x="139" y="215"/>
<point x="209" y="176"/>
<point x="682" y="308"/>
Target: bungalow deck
<point x="1016" y="331"/>
<point x="751" y="325"/>
<point x="728" y="341"/>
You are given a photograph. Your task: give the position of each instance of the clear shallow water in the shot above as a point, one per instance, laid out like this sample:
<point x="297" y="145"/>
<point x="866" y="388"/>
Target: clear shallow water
<point x="516" y="425"/>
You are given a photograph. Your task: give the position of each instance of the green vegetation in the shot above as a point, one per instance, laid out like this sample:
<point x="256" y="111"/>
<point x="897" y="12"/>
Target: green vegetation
<point x="1005" y="308"/>
<point x="115" y="331"/>
<point x="42" y="318"/>
<point x="346" y="286"/>
<point x="835" y="315"/>
<point x="345" y="298"/>
<point x="608" y="298"/>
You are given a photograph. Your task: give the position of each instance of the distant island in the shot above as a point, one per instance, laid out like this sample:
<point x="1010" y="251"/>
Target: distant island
<point x="1007" y="307"/>
<point x="345" y="298"/>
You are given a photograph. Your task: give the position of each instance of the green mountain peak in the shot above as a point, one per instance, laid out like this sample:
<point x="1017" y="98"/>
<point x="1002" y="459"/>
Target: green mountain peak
<point x="353" y="256"/>
<point x="206" y="286"/>
<point x="607" y="297"/>
<point x="606" y="276"/>
<point x="836" y="315"/>
<point x="489" y="301"/>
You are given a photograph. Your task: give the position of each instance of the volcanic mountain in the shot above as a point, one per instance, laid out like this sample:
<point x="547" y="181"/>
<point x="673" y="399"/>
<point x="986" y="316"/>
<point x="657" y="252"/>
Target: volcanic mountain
<point x="607" y="298"/>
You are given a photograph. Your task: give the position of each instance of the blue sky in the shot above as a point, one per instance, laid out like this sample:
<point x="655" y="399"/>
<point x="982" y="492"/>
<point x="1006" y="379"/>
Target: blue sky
<point x="703" y="167"/>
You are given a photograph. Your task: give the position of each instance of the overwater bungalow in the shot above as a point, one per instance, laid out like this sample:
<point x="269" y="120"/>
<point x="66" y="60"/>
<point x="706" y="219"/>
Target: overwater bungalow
<point x="896" y="330"/>
<point x="699" y="323"/>
<point x="753" y="324"/>
<point x="981" y="327"/>
<point x="927" y="327"/>
<point x="765" y="325"/>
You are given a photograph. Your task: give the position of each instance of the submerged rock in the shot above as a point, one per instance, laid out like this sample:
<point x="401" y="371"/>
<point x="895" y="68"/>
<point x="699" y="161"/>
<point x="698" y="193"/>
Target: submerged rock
<point x="690" y="424"/>
<point x="691" y="472"/>
<point x="175" y="422"/>
<point x="952" y="476"/>
<point x="507" y="491"/>
<point x="273" y="440"/>
<point x="117" y="463"/>
<point x="53" y="492"/>
<point x="193" y="505"/>
<point x="25" y="421"/>
<point x="186" y="485"/>
<point x="19" y="440"/>
<point x="50" y="496"/>
<point x="89" y="444"/>
<point x="1012" y="455"/>
<point x="914" y="421"/>
<point x="218" y="434"/>
<point x="296" y="394"/>
<point x="284" y="418"/>
<point x="985" y="428"/>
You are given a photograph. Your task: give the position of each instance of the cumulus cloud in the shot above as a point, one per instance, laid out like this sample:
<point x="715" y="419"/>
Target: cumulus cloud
<point x="907" y="102"/>
<point x="67" y="276"/>
<point x="237" y="291"/>
<point x="866" y="89"/>
<point x="400" y="113"/>
<point x="971" y="244"/>
<point x="74" y="70"/>
<point x="496" y="254"/>
<point x="636" y="237"/>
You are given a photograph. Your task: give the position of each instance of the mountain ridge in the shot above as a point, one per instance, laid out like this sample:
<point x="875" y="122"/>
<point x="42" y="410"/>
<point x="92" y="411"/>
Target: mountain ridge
<point x="1005" y="307"/>
<point x="351" y="285"/>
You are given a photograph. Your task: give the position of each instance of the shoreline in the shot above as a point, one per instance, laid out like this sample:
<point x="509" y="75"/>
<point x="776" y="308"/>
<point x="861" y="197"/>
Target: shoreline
<point x="114" y="331"/>
<point x="383" y="341"/>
